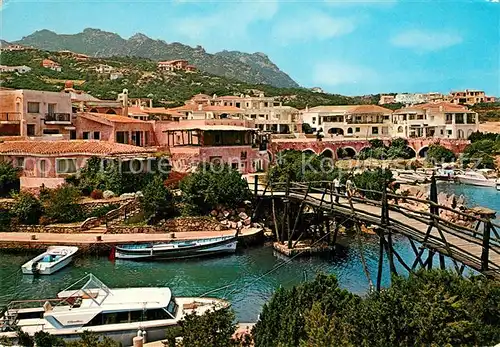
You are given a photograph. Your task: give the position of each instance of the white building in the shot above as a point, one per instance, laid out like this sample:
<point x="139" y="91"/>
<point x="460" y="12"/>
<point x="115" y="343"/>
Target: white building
<point x="103" y="68"/>
<point x="18" y="69"/>
<point x="434" y="120"/>
<point x="349" y="120"/>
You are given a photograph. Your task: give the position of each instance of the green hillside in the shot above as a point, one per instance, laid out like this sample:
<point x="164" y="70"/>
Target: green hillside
<point x="142" y="80"/>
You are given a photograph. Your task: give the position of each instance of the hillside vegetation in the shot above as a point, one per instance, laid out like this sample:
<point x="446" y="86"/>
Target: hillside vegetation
<point x="251" y="68"/>
<point x="143" y="80"/>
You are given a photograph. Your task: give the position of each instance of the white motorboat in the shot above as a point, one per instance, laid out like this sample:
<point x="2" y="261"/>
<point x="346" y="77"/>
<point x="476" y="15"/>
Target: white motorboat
<point x="52" y="260"/>
<point x="117" y="313"/>
<point x="476" y="178"/>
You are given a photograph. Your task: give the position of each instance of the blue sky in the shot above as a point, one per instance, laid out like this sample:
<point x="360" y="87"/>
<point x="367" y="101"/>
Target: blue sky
<point x="344" y="46"/>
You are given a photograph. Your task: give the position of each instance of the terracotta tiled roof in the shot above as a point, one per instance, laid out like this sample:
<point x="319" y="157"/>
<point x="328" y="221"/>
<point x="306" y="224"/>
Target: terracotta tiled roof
<point x="48" y="62"/>
<point x="369" y="109"/>
<point x="338" y="109"/>
<point x="171" y="61"/>
<point x="222" y="108"/>
<point x="435" y="106"/>
<point x="228" y="97"/>
<point x="201" y="96"/>
<point x="114" y="118"/>
<point x="71" y="147"/>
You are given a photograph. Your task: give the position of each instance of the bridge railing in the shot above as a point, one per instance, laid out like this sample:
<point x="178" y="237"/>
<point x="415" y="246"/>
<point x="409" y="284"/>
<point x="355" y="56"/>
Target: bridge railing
<point x="484" y="235"/>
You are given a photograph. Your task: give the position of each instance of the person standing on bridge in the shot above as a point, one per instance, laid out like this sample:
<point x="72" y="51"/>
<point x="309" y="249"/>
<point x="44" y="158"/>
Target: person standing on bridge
<point x="350" y="188"/>
<point x="336" y="185"/>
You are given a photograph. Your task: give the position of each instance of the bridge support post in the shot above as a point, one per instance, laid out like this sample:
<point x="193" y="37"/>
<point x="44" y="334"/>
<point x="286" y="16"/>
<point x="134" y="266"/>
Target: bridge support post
<point x="442" y="264"/>
<point x="485" y="254"/>
<point x="256" y="185"/>
<point x="380" y="269"/>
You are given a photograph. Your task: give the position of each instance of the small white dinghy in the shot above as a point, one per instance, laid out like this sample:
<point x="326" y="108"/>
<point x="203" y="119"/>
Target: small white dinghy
<point x="54" y="259"/>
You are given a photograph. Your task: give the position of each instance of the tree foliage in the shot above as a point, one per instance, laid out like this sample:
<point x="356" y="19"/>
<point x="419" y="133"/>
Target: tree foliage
<point x="439" y="154"/>
<point x="398" y="149"/>
<point x="27" y="208"/>
<point x="9" y="178"/>
<point x="480" y="153"/>
<point x="61" y="204"/>
<point x="213" y="328"/>
<point x="212" y="185"/>
<point x="297" y="166"/>
<point x="158" y="201"/>
<point x="376" y="180"/>
<point x="429" y="308"/>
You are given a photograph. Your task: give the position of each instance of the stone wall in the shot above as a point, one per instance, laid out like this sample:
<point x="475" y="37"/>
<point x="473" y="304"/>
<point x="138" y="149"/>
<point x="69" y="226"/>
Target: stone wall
<point x="54" y="228"/>
<point x="185" y="224"/>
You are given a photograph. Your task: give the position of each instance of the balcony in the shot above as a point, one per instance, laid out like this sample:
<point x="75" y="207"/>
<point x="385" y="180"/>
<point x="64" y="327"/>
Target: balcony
<point x="57" y="118"/>
<point x="10" y="117"/>
<point x="364" y="121"/>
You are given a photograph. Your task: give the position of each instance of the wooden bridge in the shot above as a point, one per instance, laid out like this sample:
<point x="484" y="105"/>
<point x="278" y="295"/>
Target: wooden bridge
<point x="474" y="243"/>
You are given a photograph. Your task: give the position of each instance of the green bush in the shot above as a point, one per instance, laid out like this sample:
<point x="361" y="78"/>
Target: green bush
<point x="61" y="205"/>
<point x="27" y="209"/>
<point x="439" y="154"/>
<point x="9" y="178"/>
<point x="429" y="308"/>
<point x="158" y="201"/>
<point x="212" y="185"/>
<point x="376" y="180"/>
<point x="101" y="211"/>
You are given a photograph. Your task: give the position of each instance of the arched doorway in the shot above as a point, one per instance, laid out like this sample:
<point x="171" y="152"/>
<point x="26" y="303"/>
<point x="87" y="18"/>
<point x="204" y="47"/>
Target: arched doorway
<point x="422" y="152"/>
<point x="327" y="153"/>
<point x="346" y="153"/>
<point x="308" y="151"/>
<point x="461" y="134"/>
<point x="336" y="131"/>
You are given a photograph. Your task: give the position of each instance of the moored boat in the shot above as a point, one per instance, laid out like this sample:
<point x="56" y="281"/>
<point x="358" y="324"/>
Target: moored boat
<point x="117" y="313"/>
<point x="178" y="249"/>
<point x="52" y="260"/>
<point x="476" y="178"/>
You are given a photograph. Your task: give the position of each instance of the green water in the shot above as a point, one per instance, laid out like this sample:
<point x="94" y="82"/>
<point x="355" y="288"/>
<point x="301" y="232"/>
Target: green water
<point x="249" y="277"/>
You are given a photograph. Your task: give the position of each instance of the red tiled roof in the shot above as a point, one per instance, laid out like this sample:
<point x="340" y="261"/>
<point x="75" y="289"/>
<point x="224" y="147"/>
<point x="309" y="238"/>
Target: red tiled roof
<point x="229" y="97"/>
<point x="48" y="62"/>
<point x="171" y="61"/>
<point x="71" y="147"/>
<point x="446" y="106"/>
<point x="369" y="109"/>
<point x="114" y="118"/>
<point x="222" y="108"/>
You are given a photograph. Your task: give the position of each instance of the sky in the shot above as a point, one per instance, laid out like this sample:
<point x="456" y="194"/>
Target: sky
<point x="347" y="47"/>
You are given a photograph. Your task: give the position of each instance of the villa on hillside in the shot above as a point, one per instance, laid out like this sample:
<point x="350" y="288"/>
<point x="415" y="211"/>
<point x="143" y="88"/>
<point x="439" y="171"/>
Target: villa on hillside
<point x="366" y="121"/>
<point x="18" y="69"/>
<point x="50" y="64"/>
<point x="49" y="162"/>
<point x="435" y="120"/>
<point x="174" y="65"/>
<point x="470" y="97"/>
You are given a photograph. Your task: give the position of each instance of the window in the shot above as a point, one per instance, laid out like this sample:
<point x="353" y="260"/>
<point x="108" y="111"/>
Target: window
<point x="97" y="135"/>
<point x="349" y="130"/>
<point x="314" y="120"/>
<point x="400" y="129"/>
<point x="358" y="130"/>
<point x="50" y="131"/>
<point x="30" y="129"/>
<point x="442" y="132"/>
<point x="51" y="109"/>
<point x="375" y="130"/>
<point x="234" y="166"/>
<point x="33" y="107"/>
<point x="19" y="162"/>
<point x="65" y="166"/>
<point x="122" y="137"/>
<point x="42" y="166"/>
<point x="72" y="134"/>
<point x="86" y="135"/>
<point x="449" y="132"/>
<point x="243" y="155"/>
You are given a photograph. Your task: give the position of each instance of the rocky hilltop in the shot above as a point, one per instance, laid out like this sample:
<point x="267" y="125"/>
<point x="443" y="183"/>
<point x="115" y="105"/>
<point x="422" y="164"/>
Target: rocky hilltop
<point x="251" y="68"/>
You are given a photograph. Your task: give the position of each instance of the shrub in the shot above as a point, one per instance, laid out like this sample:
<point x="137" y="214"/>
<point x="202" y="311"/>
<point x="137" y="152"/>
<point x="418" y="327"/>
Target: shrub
<point x="9" y="178"/>
<point x="61" y="206"/>
<point x="96" y="194"/>
<point x="27" y="208"/>
<point x="5" y="219"/>
<point x="101" y="211"/>
<point x="439" y="154"/>
<point x="158" y="201"/>
<point x="214" y="185"/>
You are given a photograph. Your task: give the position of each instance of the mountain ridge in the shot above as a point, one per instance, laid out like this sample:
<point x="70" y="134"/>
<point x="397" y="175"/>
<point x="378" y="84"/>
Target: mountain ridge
<point x="247" y="67"/>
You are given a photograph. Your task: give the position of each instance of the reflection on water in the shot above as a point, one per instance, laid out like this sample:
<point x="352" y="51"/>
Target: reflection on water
<point x="247" y="277"/>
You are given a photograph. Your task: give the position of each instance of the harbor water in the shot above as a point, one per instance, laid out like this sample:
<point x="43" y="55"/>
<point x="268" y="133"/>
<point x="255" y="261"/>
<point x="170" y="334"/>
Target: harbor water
<point x="247" y="279"/>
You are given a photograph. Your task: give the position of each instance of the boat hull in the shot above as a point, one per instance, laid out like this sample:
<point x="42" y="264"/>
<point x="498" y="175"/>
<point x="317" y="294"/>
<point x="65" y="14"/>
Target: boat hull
<point x="28" y="270"/>
<point x="222" y="247"/>
<point x="37" y="266"/>
<point x="479" y="183"/>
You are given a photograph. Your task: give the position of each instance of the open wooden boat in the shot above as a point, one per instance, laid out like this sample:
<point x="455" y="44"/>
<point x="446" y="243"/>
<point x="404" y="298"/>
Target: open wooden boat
<point x="177" y="249"/>
<point x="52" y="260"/>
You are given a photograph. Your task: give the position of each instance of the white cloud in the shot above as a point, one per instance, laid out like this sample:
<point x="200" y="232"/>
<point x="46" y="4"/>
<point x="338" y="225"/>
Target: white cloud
<point x="337" y="73"/>
<point x="425" y="40"/>
<point x="312" y="26"/>
<point x="229" y="22"/>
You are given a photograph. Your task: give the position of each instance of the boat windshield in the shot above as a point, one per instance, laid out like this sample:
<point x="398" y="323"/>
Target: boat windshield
<point x="50" y="258"/>
<point x="92" y="289"/>
<point x="172" y="307"/>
